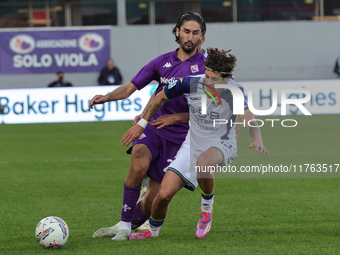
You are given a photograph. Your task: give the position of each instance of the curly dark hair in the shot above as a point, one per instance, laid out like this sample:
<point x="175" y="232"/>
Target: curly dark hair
<point x="187" y="17"/>
<point x="220" y="61"/>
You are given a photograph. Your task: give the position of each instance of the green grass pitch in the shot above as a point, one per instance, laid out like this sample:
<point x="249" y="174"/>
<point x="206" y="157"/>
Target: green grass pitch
<point x="76" y="171"/>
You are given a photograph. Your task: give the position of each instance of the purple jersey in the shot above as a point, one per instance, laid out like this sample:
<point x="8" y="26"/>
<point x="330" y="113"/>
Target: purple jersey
<point x="166" y="69"/>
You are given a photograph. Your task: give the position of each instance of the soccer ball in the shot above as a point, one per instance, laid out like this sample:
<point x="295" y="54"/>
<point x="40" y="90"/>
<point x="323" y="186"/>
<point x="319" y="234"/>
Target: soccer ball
<point x="52" y="232"/>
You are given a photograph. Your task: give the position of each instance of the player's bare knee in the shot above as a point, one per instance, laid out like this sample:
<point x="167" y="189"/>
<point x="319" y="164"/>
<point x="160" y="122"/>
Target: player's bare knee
<point x="163" y="197"/>
<point x="139" y="168"/>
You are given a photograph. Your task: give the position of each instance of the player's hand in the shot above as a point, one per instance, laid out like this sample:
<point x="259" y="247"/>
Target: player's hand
<point x="258" y="145"/>
<point x="131" y="135"/>
<point x="164" y="120"/>
<point x="98" y="99"/>
<point x="137" y="118"/>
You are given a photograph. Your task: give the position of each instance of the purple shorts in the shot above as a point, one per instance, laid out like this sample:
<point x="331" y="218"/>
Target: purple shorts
<point x="163" y="151"/>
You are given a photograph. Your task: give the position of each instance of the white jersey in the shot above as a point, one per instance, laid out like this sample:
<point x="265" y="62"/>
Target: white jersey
<point x="202" y="127"/>
<point x="203" y="134"/>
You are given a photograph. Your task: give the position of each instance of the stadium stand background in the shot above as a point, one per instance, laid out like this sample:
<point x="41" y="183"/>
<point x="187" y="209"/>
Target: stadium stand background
<point x="273" y="40"/>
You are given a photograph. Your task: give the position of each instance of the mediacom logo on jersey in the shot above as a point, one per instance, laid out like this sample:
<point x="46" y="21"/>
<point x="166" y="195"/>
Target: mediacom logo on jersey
<point x="172" y="80"/>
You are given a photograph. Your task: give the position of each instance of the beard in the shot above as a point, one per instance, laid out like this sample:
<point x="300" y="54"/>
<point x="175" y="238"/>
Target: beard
<point x="188" y="46"/>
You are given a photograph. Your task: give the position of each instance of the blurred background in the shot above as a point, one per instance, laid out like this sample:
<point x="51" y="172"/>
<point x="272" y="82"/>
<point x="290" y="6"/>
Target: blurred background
<point x="273" y="40"/>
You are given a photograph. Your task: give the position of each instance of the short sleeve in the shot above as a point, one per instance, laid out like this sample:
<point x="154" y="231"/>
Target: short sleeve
<point x="146" y="75"/>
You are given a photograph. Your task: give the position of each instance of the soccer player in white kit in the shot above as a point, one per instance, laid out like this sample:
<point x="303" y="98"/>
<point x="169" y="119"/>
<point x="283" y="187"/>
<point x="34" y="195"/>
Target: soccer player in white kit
<point x="206" y="145"/>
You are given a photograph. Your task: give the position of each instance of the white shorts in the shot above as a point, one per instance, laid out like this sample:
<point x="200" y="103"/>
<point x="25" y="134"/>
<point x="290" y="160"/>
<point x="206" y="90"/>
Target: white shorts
<point x="184" y="164"/>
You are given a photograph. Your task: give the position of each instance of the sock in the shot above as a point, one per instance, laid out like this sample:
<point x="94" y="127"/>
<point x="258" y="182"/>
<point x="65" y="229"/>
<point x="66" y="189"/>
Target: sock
<point x="138" y="217"/>
<point x="207" y="202"/>
<point x="130" y="197"/>
<point x="155" y="226"/>
<point x="124" y="225"/>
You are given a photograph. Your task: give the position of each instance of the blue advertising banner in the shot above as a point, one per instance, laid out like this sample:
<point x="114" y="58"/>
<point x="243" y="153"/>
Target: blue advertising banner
<point x="48" y="51"/>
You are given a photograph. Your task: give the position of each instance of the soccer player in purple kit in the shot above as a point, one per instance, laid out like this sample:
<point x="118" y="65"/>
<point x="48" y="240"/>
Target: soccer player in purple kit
<point x="155" y="149"/>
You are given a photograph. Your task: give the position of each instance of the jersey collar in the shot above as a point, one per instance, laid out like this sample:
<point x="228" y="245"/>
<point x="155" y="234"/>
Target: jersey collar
<point x="192" y="59"/>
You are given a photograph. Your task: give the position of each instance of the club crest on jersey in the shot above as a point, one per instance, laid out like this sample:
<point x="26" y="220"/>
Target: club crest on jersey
<point x="142" y="136"/>
<point x="194" y="68"/>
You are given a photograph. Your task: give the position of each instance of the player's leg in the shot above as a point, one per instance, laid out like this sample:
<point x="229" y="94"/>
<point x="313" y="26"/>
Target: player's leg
<point x="177" y="175"/>
<point x="140" y="160"/>
<point x="141" y="214"/>
<point x="141" y="157"/>
<point x="143" y="207"/>
<point x="146" y="157"/>
<point x="170" y="185"/>
<point x="210" y="157"/>
<point x="158" y="167"/>
<point x="145" y="182"/>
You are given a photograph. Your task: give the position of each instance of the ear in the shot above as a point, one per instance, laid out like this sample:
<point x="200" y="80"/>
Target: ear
<point x="202" y="39"/>
<point x="177" y="32"/>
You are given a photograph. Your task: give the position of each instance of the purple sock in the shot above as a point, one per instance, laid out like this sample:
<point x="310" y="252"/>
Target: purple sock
<point x="138" y="217"/>
<point x="130" y="197"/>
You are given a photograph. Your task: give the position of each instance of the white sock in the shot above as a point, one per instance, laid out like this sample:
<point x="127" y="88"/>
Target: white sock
<point x="155" y="230"/>
<point x="207" y="205"/>
<point x="155" y="226"/>
<point x="124" y="225"/>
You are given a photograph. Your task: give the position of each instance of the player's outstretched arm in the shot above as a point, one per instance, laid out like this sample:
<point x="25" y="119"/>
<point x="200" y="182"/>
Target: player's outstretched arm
<point x="255" y="133"/>
<point x="138" y="117"/>
<point x="121" y="92"/>
<point x="134" y="132"/>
